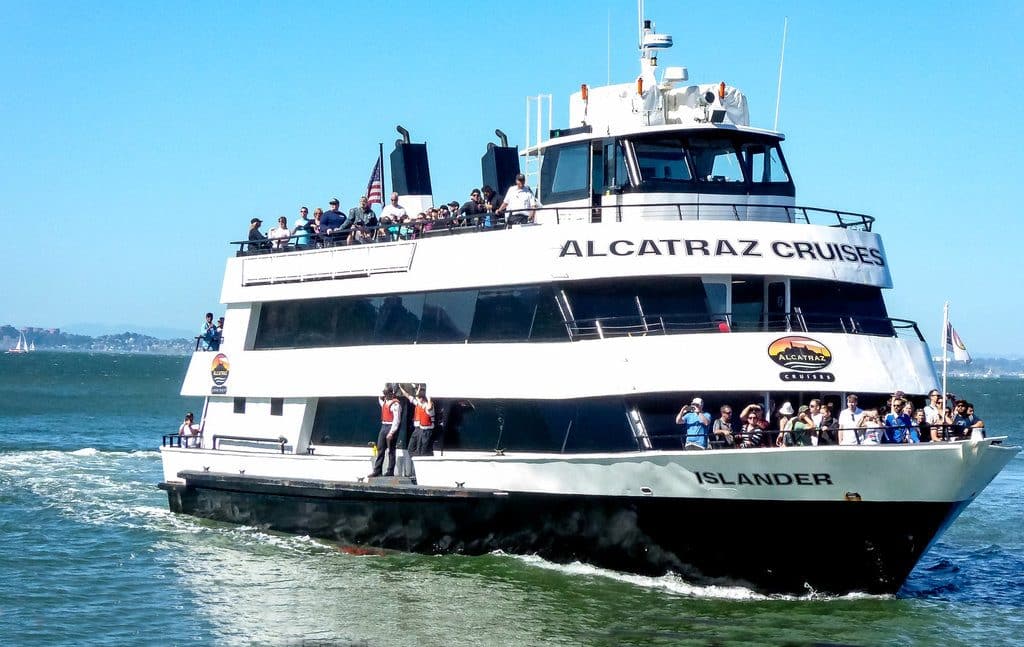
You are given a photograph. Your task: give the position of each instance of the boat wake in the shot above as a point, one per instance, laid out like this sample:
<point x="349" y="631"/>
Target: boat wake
<point x="674" y="584"/>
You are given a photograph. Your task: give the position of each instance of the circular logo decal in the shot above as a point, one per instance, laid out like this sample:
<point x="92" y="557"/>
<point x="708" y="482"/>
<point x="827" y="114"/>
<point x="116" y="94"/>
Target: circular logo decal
<point x="219" y="371"/>
<point x="800" y="354"/>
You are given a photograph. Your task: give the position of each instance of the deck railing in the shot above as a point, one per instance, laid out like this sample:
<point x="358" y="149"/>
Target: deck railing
<point x="482" y="223"/>
<point x="682" y="323"/>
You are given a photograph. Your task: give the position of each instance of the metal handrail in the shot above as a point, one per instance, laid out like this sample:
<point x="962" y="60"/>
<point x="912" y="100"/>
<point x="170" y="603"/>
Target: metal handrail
<point x="199" y="340"/>
<point x="470" y="224"/>
<point x="681" y="323"/>
<point x="280" y="440"/>
<point x="174" y="440"/>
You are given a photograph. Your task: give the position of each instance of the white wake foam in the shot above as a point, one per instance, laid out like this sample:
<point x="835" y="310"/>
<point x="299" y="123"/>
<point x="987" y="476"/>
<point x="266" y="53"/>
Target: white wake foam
<point x="676" y="585"/>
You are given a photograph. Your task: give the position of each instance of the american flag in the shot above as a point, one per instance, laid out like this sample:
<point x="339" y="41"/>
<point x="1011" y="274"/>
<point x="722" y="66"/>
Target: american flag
<point x="375" y="187"/>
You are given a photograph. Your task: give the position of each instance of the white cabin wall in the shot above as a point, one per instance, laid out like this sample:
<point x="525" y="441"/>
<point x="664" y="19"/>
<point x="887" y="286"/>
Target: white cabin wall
<point x="256" y="422"/>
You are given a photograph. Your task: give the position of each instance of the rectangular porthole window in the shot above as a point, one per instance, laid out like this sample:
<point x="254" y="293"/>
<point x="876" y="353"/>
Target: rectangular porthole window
<point x="276" y="406"/>
<point x="239" y="405"/>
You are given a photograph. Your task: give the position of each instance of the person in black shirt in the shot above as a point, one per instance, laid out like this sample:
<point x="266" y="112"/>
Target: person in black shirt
<point x="257" y="241"/>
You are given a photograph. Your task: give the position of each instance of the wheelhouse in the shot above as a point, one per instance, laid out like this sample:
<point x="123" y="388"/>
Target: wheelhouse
<point x="701" y="162"/>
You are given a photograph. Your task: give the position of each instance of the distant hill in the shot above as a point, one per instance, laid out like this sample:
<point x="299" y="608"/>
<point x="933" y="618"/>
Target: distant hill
<point x="126" y="342"/>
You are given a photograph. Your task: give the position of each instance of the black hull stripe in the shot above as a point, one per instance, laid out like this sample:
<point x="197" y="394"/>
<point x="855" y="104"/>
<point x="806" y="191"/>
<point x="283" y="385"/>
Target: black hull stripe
<point x="770" y="546"/>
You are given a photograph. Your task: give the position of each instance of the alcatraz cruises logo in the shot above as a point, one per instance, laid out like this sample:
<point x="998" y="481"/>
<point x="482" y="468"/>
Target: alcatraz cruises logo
<point x="219" y="373"/>
<point x="805" y="357"/>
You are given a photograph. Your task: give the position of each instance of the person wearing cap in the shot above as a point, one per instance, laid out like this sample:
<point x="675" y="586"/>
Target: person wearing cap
<point x="519" y="202"/>
<point x="331" y="222"/>
<point x="849" y="421"/>
<point x="257" y="241"/>
<point x="696" y="425"/>
<point x="473" y="208"/>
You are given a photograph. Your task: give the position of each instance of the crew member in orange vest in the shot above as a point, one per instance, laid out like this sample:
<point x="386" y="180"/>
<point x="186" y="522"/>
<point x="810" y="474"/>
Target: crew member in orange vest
<point x="390" y="418"/>
<point x="421" y="443"/>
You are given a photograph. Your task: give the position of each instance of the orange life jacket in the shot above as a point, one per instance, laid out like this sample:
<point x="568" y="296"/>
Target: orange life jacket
<point x="386" y="415"/>
<point x="422" y="418"/>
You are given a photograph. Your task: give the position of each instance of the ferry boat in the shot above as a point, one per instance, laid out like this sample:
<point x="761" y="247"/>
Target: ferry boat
<point x="669" y="261"/>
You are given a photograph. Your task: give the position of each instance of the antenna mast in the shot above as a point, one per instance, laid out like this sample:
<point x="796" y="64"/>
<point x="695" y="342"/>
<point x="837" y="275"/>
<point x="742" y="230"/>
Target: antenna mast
<point x="640" y="24"/>
<point x="782" y="59"/>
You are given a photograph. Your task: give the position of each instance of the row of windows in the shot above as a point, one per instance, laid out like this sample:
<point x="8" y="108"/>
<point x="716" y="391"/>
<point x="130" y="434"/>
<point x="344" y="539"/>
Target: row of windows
<point x="570" y="426"/>
<point x="528" y="313"/>
<point x="535" y="313"/>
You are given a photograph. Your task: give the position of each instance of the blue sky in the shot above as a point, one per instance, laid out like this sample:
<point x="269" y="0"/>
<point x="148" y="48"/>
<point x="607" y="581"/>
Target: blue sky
<point x="139" y="138"/>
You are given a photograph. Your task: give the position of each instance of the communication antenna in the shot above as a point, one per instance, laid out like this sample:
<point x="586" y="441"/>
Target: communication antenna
<point x="609" y="45"/>
<point x="640" y="24"/>
<point x="782" y="60"/>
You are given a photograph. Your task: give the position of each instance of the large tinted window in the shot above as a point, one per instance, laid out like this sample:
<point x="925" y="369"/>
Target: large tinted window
<point x="583" y="425"/>
<point x="504" y="314"/>
<point x="398" y="318"/>
<point x="447" y="316"/>
<point x="747" y="302"/>
<point x="671" y="303"/>
<point x="832" y="306"/>
<point x="346" y="421"/>
<point x="523" y="313"/>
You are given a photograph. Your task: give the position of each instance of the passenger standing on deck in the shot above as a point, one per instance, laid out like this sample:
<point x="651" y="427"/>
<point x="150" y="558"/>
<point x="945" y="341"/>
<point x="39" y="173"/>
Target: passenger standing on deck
<point x="189" y="431"/>
<point x="849" y="421"/>
<point x="519" y="203"/>
<point x="207" y="333"/>
<point x="331" y="222"/>
<point x="723" y="428"/>
<point x="421" y="443"/>
<point x="387" y="438"/>
<point x="257" y="240"/>
<point x="302" y="228"/>
<point x="696" y="422"/>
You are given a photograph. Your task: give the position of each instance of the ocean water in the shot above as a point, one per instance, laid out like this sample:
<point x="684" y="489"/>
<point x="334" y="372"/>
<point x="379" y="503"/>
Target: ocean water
<point x="90" y="555"/>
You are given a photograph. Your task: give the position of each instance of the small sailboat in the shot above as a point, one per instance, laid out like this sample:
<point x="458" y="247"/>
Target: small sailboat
<point x="22" y="346"/>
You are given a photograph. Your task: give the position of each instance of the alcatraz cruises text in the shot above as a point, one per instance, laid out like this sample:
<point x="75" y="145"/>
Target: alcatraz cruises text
<point x="799" y="249"/>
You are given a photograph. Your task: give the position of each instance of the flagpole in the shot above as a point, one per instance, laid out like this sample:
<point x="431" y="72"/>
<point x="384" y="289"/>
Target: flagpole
<point x="945" y="343"/>
<point x="383" y="200"/>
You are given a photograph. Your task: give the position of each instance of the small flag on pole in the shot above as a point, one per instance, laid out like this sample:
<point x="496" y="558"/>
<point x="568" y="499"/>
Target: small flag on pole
<point x="375" y="187"/>
<point x="956" y="345"/>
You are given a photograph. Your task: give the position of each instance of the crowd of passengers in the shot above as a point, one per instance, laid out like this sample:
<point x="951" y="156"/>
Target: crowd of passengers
<point x="361" y="224"/>
<point x="815" y="423"/>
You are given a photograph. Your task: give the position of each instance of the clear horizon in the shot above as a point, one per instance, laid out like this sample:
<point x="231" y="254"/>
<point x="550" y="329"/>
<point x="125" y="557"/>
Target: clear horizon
<point x="159" y="130"/>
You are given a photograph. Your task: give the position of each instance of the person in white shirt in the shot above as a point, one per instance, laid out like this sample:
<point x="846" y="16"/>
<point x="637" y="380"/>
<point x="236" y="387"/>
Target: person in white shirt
<point x="189" y="431"/>
<point x="871" y="423"/>
<point x="394" y="211"/>
<point x="849" y="420"/>
<point x="280" y="234"/>
<point x="519" y="202"/>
